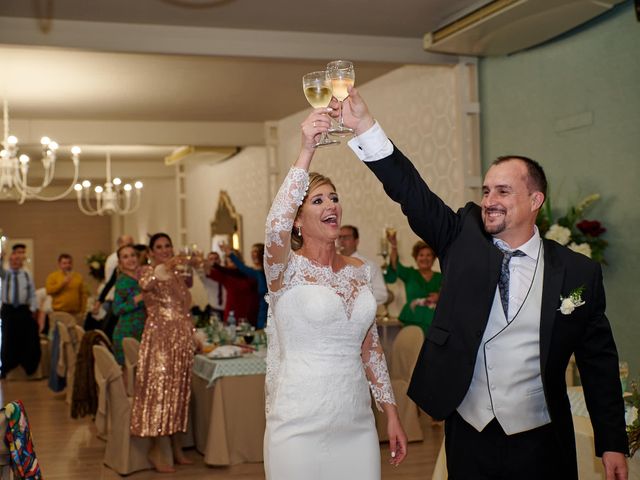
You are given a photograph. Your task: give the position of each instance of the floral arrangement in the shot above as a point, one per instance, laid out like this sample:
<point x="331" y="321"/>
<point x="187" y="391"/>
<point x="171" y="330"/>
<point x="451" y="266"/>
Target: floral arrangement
<point x="580" y="235"/>
<point x="633" y="430"/>
<point x="96" y="262"/>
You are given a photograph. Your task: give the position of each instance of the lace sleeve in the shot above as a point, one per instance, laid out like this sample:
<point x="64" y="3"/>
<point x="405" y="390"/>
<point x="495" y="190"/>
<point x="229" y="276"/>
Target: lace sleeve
<point x="276" y="252"/>
<point x="375" y="366"/>
<point x="279" y="225"/>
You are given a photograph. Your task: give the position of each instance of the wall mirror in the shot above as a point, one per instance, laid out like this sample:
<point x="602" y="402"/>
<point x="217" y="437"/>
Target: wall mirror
<point x="226" y="225"/>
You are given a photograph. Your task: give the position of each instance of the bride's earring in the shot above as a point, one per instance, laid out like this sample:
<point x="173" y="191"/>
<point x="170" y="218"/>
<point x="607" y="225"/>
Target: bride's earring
<point x="299" y="231"/>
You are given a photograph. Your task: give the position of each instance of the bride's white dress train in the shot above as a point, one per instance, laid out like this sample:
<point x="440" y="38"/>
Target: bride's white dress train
<point x="323" y="360"/>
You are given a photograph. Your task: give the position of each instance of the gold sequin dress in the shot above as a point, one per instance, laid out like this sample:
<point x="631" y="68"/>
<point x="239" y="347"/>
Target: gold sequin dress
<point x="165" y="361"/>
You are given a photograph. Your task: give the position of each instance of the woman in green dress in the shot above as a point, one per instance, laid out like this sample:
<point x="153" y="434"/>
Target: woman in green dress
<point x="127" y="301"/>
<point x="422" y="285"/>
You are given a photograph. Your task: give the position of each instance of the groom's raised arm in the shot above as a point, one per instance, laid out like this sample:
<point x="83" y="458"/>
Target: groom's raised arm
<point x="429" y="217"/>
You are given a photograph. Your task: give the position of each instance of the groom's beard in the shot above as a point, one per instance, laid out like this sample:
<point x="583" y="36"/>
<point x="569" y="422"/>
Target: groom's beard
<point x="495" y="228"/>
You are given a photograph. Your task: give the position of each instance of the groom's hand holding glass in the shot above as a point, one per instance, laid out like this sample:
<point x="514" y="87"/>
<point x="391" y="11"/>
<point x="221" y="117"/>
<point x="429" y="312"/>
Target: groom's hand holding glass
<point x="355" y="113"/>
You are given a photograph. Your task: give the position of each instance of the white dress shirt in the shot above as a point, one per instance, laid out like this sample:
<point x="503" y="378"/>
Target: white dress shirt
<point x="371" y="145"/>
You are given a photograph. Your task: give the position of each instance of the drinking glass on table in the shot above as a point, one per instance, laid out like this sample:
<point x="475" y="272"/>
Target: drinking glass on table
<point x="249" y="335"/>
<point x="343" y="76"/>
<point x="317" y="90"/>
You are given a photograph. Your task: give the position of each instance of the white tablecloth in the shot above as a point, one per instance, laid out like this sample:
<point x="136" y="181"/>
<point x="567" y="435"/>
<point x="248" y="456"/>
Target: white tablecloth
<point x="211" y="369"/>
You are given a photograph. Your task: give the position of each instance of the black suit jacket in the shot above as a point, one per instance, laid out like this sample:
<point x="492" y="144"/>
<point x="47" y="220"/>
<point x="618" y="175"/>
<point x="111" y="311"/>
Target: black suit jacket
<point x="471" y="267"/>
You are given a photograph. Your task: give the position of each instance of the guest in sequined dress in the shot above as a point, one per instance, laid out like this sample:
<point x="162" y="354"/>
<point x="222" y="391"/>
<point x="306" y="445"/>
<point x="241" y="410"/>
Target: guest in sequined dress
<point x="163" y="380"/>
<point x="127" y="301"/>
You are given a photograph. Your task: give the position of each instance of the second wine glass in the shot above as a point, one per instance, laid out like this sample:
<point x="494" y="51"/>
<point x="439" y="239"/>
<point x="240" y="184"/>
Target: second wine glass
<point x="317" y="90"/>
<point x="343" y="76"/>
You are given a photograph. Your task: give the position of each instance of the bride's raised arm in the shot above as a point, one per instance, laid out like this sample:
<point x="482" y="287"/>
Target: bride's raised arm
<point x="277" y="244"/>
<point x="288" y="199"/>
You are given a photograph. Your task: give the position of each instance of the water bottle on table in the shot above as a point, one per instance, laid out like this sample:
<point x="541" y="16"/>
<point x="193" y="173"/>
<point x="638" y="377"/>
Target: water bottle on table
<point x="231" y="326"/>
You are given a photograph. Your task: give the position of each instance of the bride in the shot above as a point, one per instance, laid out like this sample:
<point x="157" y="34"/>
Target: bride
<point x="324" y="355"/>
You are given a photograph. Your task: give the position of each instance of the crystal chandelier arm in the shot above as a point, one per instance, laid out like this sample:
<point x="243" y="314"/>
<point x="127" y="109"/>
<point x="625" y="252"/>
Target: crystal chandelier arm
<point x="34" y="192"/>
<point x="136" y="202"/>
<point x="49" y="171"/>
<point x="83" y="198"/>
<point x="87" y="211"/>
<point x="124" y="205"/>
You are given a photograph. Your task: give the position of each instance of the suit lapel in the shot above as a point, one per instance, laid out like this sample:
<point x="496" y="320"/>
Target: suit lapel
<point x="551" y="290"/>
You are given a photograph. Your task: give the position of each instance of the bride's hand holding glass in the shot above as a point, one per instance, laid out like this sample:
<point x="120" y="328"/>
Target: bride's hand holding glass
<point x="318" y="92"/>
<point x="314" y="127"/>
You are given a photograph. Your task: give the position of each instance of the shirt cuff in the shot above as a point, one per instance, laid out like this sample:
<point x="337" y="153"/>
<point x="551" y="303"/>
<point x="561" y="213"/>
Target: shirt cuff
<point x="371" y="145"/>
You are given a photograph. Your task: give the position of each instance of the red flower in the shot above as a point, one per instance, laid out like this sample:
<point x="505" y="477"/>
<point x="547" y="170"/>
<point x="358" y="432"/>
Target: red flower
<point x="592" y="228"/>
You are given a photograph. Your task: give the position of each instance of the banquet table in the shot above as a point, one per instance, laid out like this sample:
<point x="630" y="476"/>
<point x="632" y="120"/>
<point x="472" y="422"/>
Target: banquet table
<point x="228" y="409"/>
<point x="589" y="466"/>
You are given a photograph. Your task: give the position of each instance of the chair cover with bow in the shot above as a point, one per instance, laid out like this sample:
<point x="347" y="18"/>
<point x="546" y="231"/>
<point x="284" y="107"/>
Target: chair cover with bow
<point x="130" y="346"/>
<point x="84" y="400"/>
<point x="124" y="453"/>
<point x="70" y="337"/>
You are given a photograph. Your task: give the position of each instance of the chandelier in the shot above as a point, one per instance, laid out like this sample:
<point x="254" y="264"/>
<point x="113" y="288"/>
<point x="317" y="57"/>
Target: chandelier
<point x="14" y="168"/>
<point x="113" y="198"/>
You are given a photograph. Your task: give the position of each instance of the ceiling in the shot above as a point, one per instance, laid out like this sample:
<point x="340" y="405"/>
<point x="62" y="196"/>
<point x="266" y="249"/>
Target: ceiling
<point x="139" y="78"/>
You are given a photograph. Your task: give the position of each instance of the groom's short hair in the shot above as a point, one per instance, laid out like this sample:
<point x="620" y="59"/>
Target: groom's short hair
<point x="537" y="181"/>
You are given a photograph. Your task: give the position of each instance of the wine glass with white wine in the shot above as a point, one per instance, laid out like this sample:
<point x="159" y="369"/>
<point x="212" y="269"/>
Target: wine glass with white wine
<point x="343" y="76"/>
<point x="184" y="266"/>
<point x="317" y="90"/>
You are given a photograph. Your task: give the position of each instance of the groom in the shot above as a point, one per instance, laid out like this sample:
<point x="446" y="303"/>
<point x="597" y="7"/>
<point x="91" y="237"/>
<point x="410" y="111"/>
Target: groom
<point x="493" y="363"/>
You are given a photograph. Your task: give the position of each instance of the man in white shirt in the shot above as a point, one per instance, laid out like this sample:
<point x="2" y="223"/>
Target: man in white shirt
<point x="216" y="293"/>
<point x="348" y="241"/>
<point x="20" y="338"/>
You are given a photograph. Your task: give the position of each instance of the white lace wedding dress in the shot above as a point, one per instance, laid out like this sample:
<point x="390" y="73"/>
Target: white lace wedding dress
<point x="322" y="361"/>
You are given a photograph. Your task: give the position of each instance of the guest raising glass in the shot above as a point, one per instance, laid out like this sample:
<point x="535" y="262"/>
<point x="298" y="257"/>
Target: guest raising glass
<point x="163" y="380"/>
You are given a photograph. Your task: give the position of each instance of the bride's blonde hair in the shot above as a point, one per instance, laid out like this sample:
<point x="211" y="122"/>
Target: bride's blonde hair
<point x="315" y="180"/>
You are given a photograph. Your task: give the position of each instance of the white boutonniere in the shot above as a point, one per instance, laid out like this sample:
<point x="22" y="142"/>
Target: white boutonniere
<point x="572" y="301"/>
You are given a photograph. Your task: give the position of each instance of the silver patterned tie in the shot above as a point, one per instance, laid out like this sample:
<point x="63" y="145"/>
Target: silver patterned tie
<point x="503" y="283"/>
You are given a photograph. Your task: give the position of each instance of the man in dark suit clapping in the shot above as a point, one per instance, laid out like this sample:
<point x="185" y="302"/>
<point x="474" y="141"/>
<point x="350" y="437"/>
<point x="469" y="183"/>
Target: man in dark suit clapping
<point x="493" y="362"/>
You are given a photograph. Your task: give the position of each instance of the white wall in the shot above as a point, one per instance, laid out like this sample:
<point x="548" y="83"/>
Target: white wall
<point x="244" y="178"/>
<point x="157" y="212"/>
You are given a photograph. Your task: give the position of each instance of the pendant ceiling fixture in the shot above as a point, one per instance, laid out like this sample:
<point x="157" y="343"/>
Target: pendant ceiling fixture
<point x="14" y="167"/>
<point x="112" y="198"/>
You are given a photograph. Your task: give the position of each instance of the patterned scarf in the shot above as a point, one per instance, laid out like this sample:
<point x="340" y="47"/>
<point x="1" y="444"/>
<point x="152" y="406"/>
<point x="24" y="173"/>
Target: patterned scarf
<point x="23" y="457"/>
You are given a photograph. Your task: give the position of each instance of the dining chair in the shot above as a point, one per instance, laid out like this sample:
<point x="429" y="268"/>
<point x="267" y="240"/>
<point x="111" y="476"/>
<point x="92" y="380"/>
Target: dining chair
<point x="130" y="346"/>
<point x="124" y="453"/>
<point x="404" y="354"/>
<point x="70" y="339"/>
<point x="64" y="317"/>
